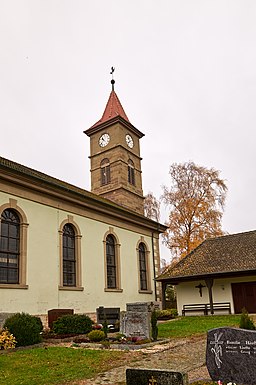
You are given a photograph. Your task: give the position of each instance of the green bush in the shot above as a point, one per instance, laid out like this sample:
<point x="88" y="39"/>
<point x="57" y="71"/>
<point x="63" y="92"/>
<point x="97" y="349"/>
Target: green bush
<point x="26" y="328"/>
<point x="96" y="335"/>
<point x="166" y="314"/>
<point x="73" y="324"/>
<point x="245" y="321"/>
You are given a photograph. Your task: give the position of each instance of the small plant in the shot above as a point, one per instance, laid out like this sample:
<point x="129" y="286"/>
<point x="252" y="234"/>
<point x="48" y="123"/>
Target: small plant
<point x="96" y="335"/>
<point x="105" y="327"/>
<point x="245" y="321"/>
<point x="154" y="325"/>
<point x="73" y="324"/>
<point x="7" y="340"/>
<point x="166" y="314"/>
<point x="25" y="328"/>
<point x="105" y="344"/>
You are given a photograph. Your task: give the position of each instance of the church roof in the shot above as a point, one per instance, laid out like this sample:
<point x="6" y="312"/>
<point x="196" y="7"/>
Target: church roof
<point x="113" y="113"/>
<point x="34" y="180"/>
<point x="113" y="108"/>
<point x="222" y="256"/>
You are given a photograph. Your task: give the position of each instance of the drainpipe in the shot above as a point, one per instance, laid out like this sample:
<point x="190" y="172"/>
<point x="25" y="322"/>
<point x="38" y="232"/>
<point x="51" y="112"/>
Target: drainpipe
<point x="154" y="267"/>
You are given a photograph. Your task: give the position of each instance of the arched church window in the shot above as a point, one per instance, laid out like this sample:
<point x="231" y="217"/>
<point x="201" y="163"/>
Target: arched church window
<point x="111" y="262"/>
<point x="105" y="171"/>
<point x="143" y="267"/>
<point x="131" y="172"/>
<point x="9" y="247"/>
<point x="69" y="255"/>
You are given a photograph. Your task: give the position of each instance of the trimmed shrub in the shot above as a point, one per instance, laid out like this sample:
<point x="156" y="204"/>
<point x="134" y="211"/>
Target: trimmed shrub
<point x="166" y="314"/>
<point x="73" y="324"/>
<point x="96" y="335"/>
<point x="25" y="328"/>
<point x="245" y="321"/>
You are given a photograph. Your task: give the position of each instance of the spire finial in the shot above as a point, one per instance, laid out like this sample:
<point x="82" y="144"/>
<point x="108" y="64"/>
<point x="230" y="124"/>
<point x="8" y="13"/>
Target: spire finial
<point x="112" y="80"/>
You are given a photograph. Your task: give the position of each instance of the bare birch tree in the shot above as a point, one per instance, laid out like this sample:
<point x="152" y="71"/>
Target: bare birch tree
<point x="152" y="207"/>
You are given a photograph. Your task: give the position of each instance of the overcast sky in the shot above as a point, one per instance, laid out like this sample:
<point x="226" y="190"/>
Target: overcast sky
<point x="185" y="75"/>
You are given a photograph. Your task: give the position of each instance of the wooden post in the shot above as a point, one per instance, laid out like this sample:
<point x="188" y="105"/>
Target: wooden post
<point x="209" y="284"/>
<point x="164" y="285"/>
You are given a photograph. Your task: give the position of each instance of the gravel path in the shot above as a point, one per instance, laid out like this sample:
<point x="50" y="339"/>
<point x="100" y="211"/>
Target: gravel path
<point x="185" y="355"/>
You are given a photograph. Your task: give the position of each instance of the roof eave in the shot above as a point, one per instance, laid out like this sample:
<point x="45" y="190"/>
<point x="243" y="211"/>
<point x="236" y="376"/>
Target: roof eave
<point x="226" y="274"/>
<point x="38" y="181"/>
<point x="117" y="119"/>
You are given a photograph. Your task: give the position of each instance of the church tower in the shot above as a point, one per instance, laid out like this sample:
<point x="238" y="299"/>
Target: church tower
<point x="115" y="157"/>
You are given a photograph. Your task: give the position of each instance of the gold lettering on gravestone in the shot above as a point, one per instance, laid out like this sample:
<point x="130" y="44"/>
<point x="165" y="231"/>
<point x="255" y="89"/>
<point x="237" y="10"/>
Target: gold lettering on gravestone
<point x="152" y="381"/>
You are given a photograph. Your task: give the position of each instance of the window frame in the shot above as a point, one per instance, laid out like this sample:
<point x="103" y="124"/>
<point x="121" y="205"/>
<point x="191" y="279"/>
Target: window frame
<point x="131" y="172"/>
<point x="23" y="236"/>
<point x="10" y="252"/>
<point x="105" y="176"/>
<point x="146" y="271"/>
<point x="69" y="255"/>
<point x="117" y="261"/>
<point x="77" y="250"/>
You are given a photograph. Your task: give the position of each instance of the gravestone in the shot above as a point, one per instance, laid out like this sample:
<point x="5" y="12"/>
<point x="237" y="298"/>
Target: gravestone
<point x="109" y="314"/>
<point x="3" y="318"/>
<point x="135" y="322"/>
<point x="231" y="355"/>
<point x="155" y="377"/>
<point x="54" y="314"/>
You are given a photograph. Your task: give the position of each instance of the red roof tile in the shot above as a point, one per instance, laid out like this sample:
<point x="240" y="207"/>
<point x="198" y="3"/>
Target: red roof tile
<point x="113" y="108"/>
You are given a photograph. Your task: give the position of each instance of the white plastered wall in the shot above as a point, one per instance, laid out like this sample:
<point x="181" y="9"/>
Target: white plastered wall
<point x="43" y="265"/>
<point x="187" y="293"/>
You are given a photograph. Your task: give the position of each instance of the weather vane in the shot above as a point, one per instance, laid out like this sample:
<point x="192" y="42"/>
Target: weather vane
<point x="112" y="80"/>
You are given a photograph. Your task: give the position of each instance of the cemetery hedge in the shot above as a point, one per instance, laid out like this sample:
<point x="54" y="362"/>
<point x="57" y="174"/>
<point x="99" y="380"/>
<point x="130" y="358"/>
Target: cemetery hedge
<point x="73" y="324"/>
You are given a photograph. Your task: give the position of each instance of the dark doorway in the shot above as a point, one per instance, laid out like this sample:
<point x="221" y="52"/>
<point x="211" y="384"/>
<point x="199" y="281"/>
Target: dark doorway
<point x="244" y="295"/>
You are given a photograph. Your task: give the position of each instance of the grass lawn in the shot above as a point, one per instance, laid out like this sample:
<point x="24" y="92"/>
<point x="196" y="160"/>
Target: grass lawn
<point x="55" y="365"/>
<point x="194" y="325"/>
<point x="62" y="365"/>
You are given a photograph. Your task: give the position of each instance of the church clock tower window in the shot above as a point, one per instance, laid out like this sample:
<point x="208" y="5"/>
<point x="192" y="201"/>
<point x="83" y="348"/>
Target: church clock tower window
<point x="131" y="172"/>
<point x="105" y="171"/>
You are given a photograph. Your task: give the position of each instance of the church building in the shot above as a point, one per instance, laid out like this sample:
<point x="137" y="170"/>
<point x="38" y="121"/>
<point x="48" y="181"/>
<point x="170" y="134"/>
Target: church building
<point x="62" y="247"/>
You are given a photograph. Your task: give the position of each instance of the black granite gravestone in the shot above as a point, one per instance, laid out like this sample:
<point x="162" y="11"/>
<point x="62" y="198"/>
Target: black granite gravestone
<point x="155" y="377"/>
<point x="109" y="314"/>
<point x="231" y="355"/>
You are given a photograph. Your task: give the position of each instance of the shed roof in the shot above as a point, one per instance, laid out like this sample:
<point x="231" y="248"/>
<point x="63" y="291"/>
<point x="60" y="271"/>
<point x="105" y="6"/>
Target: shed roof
<point x="226" y="255"/>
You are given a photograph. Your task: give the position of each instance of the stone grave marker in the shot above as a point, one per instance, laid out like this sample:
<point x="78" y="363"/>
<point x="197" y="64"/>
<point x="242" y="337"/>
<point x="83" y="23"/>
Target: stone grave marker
<point x="155" y="377"/>
<point x="135" y="322"/>
<point x="109" y="314"/>
<point x="231" y="355"/>
<point x="54" y="314"/>
<point x="3" y="318"/>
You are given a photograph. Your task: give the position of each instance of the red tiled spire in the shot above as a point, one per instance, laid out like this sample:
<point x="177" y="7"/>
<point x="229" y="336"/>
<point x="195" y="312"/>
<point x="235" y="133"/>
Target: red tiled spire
<point x="113" y="108"/>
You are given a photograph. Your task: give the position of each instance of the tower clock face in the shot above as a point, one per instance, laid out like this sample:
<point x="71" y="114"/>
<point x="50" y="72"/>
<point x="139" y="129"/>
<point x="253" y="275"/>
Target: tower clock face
<point x="129" y="140"/>
<point x="104" y="140"/>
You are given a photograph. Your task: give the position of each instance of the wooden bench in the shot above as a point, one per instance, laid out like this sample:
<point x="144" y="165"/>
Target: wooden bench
<point x="220" y="306"/>
<point x="205" y="307"/>
<point x="198" y="307"/>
